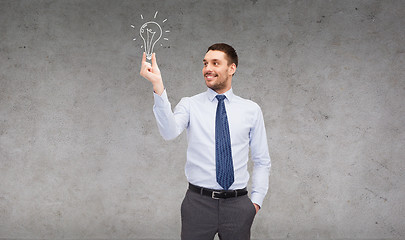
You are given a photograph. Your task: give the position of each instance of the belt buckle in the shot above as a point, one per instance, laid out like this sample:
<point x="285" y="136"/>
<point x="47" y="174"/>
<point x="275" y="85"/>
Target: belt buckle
<point x="213" y="194"/>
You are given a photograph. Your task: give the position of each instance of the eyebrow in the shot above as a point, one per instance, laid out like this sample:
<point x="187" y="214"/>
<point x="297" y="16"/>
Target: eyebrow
<point x="213" y="60"/>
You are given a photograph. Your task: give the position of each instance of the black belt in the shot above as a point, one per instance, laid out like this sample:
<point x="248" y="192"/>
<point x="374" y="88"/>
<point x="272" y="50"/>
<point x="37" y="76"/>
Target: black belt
<point x="217" y="194"/>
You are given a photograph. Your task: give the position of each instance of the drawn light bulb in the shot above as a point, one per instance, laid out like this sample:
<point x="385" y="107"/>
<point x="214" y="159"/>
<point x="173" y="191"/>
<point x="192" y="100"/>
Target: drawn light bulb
<point x="150" y="32"/>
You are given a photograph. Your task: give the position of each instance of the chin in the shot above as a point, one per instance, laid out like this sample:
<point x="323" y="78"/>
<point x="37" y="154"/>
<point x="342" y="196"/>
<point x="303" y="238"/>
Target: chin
<point x="209" y="84"/>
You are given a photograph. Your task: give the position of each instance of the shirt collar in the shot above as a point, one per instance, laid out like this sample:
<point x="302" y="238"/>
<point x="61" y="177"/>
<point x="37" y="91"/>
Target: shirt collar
<point x="211" y="94"/>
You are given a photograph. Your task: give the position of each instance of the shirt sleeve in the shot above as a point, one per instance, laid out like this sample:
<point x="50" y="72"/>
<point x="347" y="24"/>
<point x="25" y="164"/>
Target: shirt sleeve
<point x="171" y="124"/>
<point x="261" y="160"/>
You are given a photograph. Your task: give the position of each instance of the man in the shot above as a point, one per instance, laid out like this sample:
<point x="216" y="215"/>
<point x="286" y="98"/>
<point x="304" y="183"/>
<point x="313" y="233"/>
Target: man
<point x="220" y="129"/>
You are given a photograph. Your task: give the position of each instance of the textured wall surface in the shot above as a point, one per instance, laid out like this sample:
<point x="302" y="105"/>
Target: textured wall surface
<point x="80" y="152"/>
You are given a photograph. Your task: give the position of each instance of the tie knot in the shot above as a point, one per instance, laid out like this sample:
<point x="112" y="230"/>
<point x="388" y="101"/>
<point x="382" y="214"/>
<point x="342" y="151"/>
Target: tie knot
<point x="220" y="97"/>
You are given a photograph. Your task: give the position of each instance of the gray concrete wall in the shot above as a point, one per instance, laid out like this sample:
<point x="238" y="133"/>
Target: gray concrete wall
<point x="81" y="156"/>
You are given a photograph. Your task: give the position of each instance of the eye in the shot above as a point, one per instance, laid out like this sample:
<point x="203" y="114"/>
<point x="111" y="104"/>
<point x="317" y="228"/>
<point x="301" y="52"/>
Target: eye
<point x="216" y="63"/>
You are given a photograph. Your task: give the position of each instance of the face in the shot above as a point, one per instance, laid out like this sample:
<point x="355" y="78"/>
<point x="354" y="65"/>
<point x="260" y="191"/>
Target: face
<point x="216" y="71"/>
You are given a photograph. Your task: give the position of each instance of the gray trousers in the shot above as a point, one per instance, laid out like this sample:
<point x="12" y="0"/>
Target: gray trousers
<point x="202" y="217"/>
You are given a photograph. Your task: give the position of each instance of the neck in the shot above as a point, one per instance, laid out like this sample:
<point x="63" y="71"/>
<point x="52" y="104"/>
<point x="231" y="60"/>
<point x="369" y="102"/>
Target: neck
<point x="222" y="91"/>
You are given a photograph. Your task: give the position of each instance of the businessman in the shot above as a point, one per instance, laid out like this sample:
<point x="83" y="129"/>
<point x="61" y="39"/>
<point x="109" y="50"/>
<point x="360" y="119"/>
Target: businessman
<point x="221" y="129"/>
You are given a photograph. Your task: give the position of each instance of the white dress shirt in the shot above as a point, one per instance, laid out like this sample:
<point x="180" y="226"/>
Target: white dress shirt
<point x="246" y="127"/>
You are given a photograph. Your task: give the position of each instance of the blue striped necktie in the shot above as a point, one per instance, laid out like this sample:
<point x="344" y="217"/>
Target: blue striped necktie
<point x="223" y="152"/>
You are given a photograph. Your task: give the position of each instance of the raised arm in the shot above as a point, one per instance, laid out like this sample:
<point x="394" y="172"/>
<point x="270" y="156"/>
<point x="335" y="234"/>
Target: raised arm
<point x="170" y="124"/>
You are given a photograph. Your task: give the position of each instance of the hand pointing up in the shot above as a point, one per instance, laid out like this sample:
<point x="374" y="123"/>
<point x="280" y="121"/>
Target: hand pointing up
<point x="152" y="73"/>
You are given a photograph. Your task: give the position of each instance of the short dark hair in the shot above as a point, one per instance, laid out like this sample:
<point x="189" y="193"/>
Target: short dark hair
<point x="229" y="51"/>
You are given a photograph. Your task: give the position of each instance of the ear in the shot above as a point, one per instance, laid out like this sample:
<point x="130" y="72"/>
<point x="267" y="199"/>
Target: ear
<point x="232" y="69"/>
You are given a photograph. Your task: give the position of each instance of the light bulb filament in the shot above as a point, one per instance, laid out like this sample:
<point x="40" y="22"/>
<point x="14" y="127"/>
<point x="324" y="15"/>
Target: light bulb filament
<point x="149" y="40"/>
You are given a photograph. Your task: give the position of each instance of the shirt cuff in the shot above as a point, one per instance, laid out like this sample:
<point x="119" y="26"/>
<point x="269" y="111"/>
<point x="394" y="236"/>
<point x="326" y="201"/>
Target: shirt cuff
<point x="161" y="100"/>
<point x="257" y="198"/>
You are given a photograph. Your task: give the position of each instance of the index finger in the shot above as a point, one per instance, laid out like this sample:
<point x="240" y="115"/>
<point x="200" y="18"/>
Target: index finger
<point x="154" y="63"/>
<point x="143" y="58"/>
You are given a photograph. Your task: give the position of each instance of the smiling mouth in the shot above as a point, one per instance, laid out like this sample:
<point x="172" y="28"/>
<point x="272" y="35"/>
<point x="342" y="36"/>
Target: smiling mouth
<point x="210" y="75"/>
